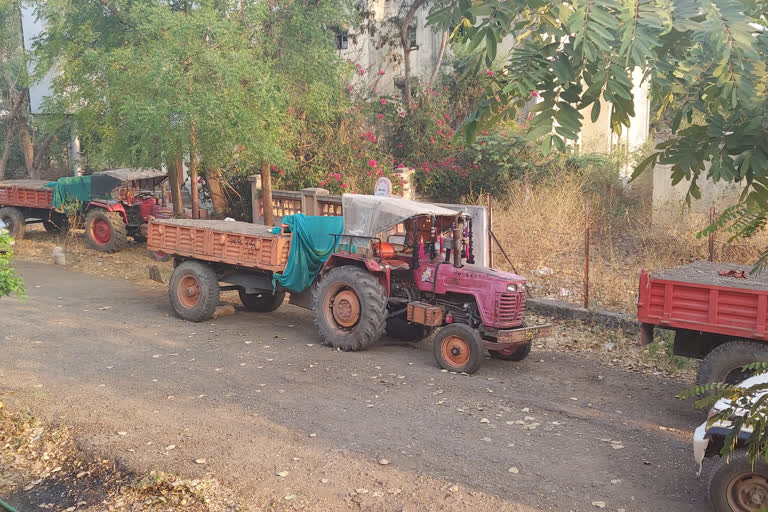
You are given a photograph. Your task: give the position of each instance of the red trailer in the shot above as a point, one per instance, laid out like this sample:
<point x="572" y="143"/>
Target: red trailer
<point x="24" y="199"/>
<point x="717" y="310"/>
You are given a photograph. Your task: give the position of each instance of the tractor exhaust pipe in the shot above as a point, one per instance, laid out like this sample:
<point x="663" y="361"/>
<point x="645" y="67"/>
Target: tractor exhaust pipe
<point x="457" y="247"/>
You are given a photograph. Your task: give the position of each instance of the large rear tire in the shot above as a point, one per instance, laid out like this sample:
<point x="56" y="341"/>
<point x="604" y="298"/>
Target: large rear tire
<point x="736" y="486"/>
<point x="14" y="221"/>
<point x="262" y="302"/>
<point x="724" y="362"/>
<point x="193" y="291"/>
<point x="458" y="348"/>
<point x="350" y="308"/>
<point x="105" y="231"/>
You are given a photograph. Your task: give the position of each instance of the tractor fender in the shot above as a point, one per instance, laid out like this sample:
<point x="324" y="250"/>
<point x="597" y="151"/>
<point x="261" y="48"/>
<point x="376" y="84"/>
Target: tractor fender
<point x="373" y="266"/>
<point x="110" y="207"/>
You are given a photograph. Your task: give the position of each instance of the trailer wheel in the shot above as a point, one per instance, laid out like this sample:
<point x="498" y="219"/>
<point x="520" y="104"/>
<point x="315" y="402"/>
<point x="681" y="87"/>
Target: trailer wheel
<point x="724" y="362"/>
<point x="14" y="221"/>
<point x="350" y="308"/>
<point x="515" y="354"/>
<point x="105" y="231"/>
<point x="194" y="291"/>
<point x="261" y="302"/>
<point x="458" y="348"/>
<point x="404" y="330"/>
<point x="736" y="486"/>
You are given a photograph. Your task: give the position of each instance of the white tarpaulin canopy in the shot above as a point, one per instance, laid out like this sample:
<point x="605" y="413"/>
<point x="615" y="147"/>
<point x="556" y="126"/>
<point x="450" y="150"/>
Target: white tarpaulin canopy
<point x="370" y="215"/>
<point x="129" y="174"/>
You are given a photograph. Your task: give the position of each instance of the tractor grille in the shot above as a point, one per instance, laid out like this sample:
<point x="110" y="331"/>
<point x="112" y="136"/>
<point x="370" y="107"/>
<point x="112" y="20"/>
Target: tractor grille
<point x="510" y="308"/>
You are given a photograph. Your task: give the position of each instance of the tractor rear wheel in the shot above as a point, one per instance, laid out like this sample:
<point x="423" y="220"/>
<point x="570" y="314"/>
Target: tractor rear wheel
<point x="261" y="302"/>
<point x="105" y="231"/>
<point x="14" y="221"/>
<point x="515" y="354"/>
<point x="194" y="291"/>
<point x="350" y="308"/>
<point x="458" y="348"/>
<point x="404" y="330"/>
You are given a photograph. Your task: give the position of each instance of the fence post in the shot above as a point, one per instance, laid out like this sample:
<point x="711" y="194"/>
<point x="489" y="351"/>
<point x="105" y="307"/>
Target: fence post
<point x="255" y="180"/>
<point x="490" y="232"/>
<point x="712" y="235"/>
<point x="309" y="205"/>
<point x="586" y="255"/>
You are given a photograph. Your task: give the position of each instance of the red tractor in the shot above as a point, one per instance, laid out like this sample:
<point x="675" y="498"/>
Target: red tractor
<point x="400" y="267"/>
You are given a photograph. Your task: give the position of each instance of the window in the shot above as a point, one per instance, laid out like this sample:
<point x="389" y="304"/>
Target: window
<point x="342" y="40"/>
<point x="412" y="37"/>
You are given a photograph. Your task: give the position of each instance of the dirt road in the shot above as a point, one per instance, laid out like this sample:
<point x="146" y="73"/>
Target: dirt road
<point x="257" y="397"/>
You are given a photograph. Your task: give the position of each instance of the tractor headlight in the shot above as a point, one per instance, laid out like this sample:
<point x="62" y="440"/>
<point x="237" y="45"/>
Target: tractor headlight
<point x="512" y="287"/>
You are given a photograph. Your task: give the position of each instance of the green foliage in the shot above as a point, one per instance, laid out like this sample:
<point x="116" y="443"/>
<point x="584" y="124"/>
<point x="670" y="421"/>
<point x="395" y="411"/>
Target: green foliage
<point x="250" y="79"/>
<point x="705" y="62"/>
<point x="9" y="281"/>
<point x="744" y="408"/>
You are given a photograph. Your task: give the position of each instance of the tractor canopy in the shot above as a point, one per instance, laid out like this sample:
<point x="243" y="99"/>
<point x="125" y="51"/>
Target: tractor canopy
<point x="99" y="185"/>
<point x="367" y="216"/>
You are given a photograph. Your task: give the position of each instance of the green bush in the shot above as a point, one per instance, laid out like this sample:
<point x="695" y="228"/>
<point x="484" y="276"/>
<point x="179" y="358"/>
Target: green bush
<point x="9" y="281"/>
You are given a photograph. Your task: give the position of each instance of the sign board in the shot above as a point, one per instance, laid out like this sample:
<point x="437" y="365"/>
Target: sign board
<point x="383" y="187"/>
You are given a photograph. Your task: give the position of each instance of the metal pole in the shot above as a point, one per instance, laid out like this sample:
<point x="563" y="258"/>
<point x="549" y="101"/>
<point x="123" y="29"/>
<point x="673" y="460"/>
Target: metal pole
<point x="490" y="232"/>
<point x="712" y="235"/>
<point x="586" y="255"/>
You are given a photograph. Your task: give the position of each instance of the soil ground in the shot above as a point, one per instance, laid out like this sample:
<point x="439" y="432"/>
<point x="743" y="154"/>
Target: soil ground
<point x="292" y="425"/>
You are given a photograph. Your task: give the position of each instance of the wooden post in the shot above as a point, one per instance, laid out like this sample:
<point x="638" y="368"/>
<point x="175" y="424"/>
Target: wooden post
<point x="175" y="177"/>
<point x="193" y="173"/>
<point x="586" y="255"/>
<point x="712" y="235"/>
<point x="266" y="194"/>
<point x="490" y="232"/>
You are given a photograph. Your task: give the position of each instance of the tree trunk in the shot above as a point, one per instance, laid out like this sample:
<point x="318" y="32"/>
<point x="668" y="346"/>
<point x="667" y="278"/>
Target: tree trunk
<point x="9" y="135"/>
<point x="175" y="177"/>
<point x="193" y="173"/>
<point x="27" y="148"/>
<point x="266" y="194"/>
<point x="213" y="179"/>
<point x="407" y="96"/>
<point x="441" y="52"/>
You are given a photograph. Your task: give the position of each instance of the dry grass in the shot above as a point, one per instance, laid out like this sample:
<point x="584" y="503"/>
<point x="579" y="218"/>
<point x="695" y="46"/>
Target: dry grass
<point x="130" y="264"/>
<point x="542" y="230"/>
<point x="43" y="467"/>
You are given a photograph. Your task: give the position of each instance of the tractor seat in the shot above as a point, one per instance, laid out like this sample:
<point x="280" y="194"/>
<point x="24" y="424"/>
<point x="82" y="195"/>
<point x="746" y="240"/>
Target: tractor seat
<point x="397" y="264"/>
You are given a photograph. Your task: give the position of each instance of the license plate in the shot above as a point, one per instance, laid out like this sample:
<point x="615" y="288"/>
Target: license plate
<point x="525" y="334"/>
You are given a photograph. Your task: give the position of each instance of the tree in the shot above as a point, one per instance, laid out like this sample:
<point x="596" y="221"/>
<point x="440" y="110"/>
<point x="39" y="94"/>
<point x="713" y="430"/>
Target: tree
<point x="705" y="61"/>
<point x="9" y="281"/>
<point x="147" y="82"/>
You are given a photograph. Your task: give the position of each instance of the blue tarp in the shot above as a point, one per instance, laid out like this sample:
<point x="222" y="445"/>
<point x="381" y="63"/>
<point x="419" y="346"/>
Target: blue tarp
<point x="311" y="246"/>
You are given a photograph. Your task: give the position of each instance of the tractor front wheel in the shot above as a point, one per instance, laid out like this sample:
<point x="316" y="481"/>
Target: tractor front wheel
<point x="261" y="302"/>
<point x="350" y="308"/>
<point x="14" y="221"/>
<point x="105" y="231"/>
<point x="458" y="348"/>
<point x="514" y="354"/>
<point x="194" y="291"/>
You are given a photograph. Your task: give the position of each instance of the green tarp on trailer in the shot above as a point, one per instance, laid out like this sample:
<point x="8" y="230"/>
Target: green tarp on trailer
<point x="311" y="246"/>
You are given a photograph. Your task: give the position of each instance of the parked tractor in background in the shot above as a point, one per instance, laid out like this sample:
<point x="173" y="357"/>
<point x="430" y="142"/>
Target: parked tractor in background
<point x="399" y="266"/>
<point x="113" y="204"/>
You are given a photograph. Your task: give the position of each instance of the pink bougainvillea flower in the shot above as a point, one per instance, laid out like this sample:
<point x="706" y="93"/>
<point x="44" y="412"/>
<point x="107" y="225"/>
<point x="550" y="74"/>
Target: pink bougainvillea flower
<point x="482" y="143"/>
<point x="485" y="132"/>
<point x="404" y="182"/>
<point x="446" y="116"/>
<point x="534" y="94"/>
<point x="282" y="172"/>
<point x="372" y="162"/>
<point x="439" y="123"/>
<point x="383" y="101"/>
<point x="380" y="116"/>
<point x="362" y="71"/>
<point x="321" y="183"/>
<point x="381" y="72"/>
<point x="370" y="173"/>
<point x="451" y="131"/>
<point x="344" y="185"/>
<point x="400" y="146"/>
<point x="432" y="140"/>
<point x="522" y="125"/>
<point x="490" y="73"/>
<point x="273" y="167"/>
<point x="350" y="88"/>
<point x="474" y="166"/>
